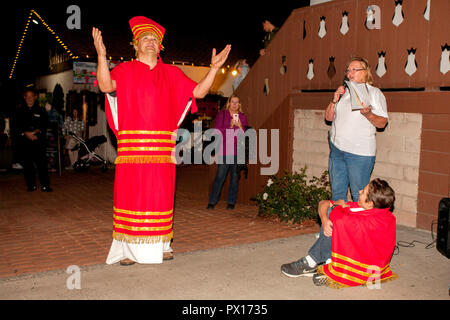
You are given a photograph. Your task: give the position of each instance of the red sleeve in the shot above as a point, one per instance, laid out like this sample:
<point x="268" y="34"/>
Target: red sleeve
<point x="340" y="212"/>
<point x="353" y="204"/>
<point x="183" y="87"/>
<point x="117" y="71"/>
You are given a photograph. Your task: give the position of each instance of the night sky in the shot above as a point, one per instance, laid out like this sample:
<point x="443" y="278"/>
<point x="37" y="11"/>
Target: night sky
<point x="214" y="24"/>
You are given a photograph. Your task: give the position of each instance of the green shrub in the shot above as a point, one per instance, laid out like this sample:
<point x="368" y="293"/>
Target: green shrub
<point x="292" y="197"/>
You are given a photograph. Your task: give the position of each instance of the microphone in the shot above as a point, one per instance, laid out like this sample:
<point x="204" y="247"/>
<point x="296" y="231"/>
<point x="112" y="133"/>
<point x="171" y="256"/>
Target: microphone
<point x="345" y="86"/>
<point x="344" y="83"/>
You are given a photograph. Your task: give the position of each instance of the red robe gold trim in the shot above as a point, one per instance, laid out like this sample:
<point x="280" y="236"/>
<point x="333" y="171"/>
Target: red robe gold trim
<point x="150" y="105"/>
<point x="362" y="245"/>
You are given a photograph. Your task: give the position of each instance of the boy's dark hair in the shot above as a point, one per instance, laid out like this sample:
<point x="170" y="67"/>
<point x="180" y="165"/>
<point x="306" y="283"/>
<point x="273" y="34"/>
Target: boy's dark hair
<point x="381" y="194"/>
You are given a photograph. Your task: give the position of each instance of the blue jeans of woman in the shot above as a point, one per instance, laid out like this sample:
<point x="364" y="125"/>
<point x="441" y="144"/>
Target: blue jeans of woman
<point x="321" y="249"/>
<point x="348" y="169"/>
<point x="229" y="164"/>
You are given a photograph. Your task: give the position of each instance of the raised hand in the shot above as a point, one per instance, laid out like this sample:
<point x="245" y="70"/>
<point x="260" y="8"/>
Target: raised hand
<point x="217" y="60"/>
<point x="98" y="42"/>
<point x="105" y="83"/>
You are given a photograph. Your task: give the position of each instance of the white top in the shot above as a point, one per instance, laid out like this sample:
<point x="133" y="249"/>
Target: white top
<point x="351" y="131"/>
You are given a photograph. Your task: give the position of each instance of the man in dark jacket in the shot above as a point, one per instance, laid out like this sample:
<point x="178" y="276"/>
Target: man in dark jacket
<point x="32" y="123"/>
<point x="270" y="31"/>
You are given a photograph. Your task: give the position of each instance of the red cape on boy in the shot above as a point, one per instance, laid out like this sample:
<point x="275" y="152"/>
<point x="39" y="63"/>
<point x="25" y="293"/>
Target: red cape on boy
<point x="361" y="247"/>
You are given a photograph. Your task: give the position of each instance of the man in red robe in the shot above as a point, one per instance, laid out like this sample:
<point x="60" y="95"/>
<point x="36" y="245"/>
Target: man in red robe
<point x="356" y="241"/>
<point x="150" y="102"/>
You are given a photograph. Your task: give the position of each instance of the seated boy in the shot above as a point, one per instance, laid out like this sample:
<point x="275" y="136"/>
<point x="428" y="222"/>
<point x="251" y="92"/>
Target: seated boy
<point x="356" y="240"/>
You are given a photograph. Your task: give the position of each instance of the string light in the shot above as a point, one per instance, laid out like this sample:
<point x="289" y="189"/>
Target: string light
<point x="49" y="29"/>
<point x="58" y="39"/>
<point x="64" y="46"/>
<point x="20" y="46"/>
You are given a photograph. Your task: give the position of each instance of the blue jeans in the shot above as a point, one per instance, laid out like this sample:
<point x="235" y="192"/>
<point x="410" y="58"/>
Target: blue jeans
<point x="222" y="172"/>
<point x="348" y="169"/>
<point x="321" y="249"/>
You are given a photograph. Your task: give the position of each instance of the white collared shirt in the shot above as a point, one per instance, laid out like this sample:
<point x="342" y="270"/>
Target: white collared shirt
<point x="351" y="131"/>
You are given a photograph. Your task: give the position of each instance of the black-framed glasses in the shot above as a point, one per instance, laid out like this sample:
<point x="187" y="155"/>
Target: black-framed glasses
<point x="353" y="70"/>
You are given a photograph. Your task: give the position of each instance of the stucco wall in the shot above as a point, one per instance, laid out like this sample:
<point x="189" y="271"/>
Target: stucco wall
<point x="397" y="157"/>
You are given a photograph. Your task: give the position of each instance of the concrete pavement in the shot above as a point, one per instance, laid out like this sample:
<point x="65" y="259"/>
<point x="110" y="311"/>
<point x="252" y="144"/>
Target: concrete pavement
<point x="73" y="225"/>
<point x="219" y="255"/>
<point x="242" y="272"/>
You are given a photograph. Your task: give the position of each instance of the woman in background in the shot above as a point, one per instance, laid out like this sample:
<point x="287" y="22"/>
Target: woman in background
<point x="232" y="118"/>
<point x="74" y="125"/>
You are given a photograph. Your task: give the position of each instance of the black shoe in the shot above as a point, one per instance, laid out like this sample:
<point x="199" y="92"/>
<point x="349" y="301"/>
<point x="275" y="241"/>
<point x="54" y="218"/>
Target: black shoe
<point x="31" y="189"/>
<point x="210" y="206"/>
<point x="46" y="189"/>
<point x="298" y="268"/>
<point x="230" y="206"/>
<point x="320" y="279"/>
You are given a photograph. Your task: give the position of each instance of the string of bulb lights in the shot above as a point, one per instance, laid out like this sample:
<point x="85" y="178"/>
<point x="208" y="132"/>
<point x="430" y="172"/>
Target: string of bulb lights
<point x="63" y="45"/>
<point x="24" y="34"/>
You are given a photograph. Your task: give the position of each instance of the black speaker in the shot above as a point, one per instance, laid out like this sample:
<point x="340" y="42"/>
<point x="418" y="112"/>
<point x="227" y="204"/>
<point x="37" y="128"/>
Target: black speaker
<point x="443" y="231"/>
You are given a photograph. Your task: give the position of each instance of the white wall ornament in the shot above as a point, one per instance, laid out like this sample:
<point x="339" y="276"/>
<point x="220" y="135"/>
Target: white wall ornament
<point x="373" y="19"/>
<point x="322" y="27"/>
<point x="344" y="23"/>
<point x="411" y="64"/>
<point x="445" y="59"/>
<point x="426" y="13"/>
<point x="310" y="73"/>
<point x="381" y="68"/>
<point x="398" y="17"/>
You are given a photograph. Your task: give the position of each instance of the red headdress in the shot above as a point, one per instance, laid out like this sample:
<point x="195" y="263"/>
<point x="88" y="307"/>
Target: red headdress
<point x="140" y="25"/>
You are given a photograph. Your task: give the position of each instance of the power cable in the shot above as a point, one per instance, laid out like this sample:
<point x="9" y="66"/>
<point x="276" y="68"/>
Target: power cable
<point x="412" y="243"/>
